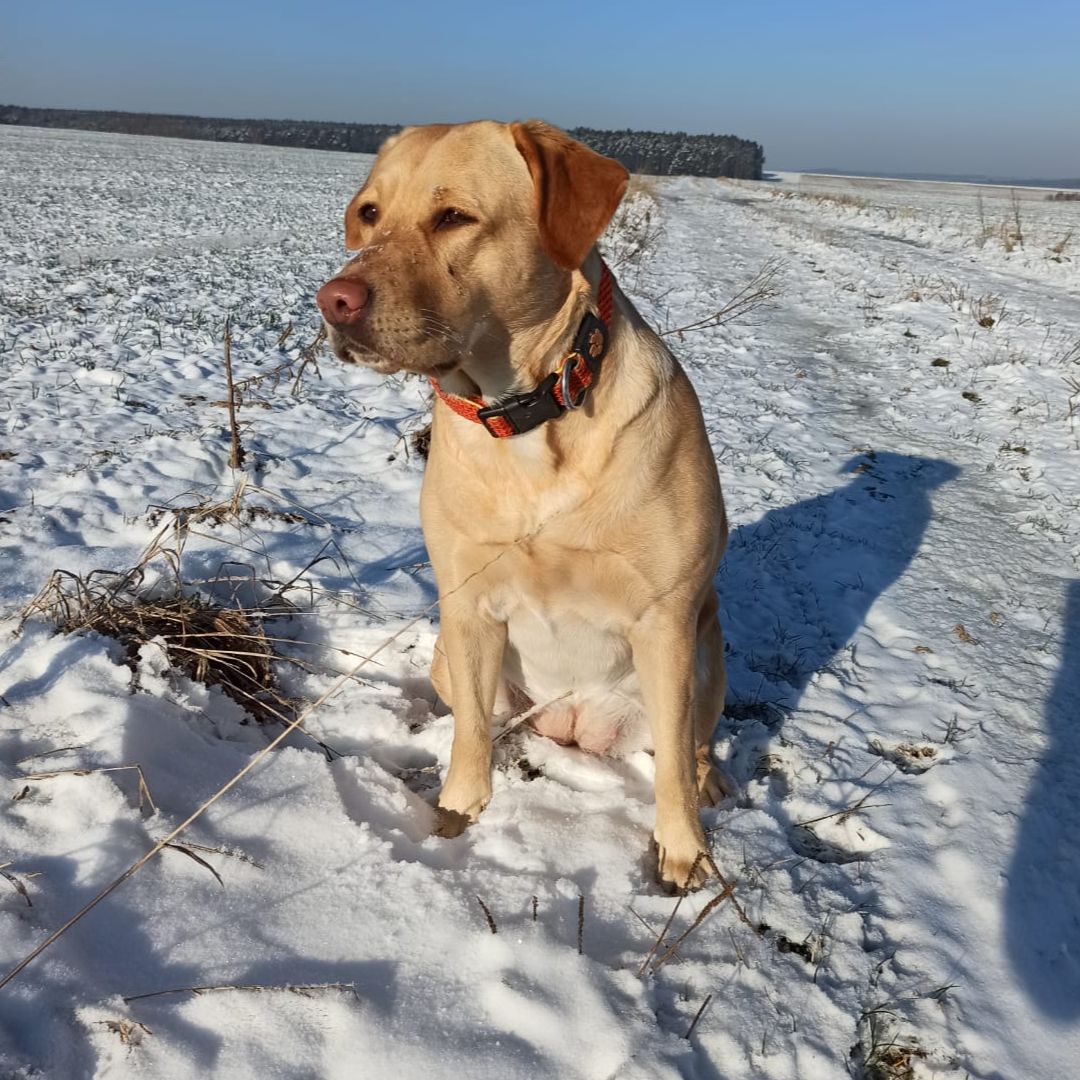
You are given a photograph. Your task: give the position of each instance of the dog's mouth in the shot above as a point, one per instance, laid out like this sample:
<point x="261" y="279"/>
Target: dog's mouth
<point x="352" y="350"/>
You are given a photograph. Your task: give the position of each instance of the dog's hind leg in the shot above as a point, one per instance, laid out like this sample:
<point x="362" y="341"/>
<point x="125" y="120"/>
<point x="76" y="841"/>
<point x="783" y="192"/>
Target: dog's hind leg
<point x="508" y="700"/>
<point x="714" y="782"/>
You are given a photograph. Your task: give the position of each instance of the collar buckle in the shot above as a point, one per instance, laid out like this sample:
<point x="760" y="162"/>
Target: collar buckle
<point x="578" y="372"/>
<point x="525" y="411"/>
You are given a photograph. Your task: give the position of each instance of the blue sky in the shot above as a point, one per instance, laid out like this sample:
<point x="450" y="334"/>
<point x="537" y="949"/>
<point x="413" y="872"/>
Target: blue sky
<point x="949" y="87"/>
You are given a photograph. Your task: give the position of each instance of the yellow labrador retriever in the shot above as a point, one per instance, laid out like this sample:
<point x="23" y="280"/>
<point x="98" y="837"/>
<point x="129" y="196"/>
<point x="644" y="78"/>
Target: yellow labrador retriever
<point x="575" y="550"/>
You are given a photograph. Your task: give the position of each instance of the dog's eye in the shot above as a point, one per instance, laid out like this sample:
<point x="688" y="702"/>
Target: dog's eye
<point x="448" y="219"/>
<point x="368" y="213"/>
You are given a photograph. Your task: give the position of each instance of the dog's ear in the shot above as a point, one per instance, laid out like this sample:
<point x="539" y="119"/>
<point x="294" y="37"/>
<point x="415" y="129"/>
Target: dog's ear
<point x="577" y="190"/>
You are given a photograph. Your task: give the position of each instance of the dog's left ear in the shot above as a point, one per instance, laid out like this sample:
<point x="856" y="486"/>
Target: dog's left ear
<point x="577" y="190"/>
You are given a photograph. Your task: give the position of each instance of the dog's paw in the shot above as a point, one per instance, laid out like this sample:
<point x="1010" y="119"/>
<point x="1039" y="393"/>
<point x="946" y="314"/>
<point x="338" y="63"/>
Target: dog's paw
<point x="682" y="869"/>
<point x="715" y="784"/>
<point x="456" y="811"/>
<point x="450" y="823"/>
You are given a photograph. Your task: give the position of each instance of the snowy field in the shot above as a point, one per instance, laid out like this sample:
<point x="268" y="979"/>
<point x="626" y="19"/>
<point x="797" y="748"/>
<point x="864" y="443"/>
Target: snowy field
<point x="898" y="432"/>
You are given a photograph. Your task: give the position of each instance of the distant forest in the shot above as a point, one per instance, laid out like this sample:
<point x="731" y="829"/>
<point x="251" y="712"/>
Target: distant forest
<point x="658" y="153"/>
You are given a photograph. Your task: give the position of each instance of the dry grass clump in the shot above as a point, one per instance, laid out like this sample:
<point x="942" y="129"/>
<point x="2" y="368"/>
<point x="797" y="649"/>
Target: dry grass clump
<point x="216" y="646"/>
<point x="130" y="1032"/>
<point x="823" y="198"/>
<point x="420" y="440"/>
<point x="1057" y="250"/>
<point x="892" y="1063"/>
<point x="881" y="1052"/>
<point x="881" y="1055"/>
<point x="633" y="233"/>
<point x="987" y="310"/>
<point x="1010" y="231"/>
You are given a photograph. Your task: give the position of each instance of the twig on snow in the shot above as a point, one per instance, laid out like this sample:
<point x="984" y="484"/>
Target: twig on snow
<point x="303" y="989"/>
<point x="697" y="1016"/>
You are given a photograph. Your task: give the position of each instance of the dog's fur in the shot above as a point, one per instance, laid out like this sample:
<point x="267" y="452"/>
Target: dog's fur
<point x="575" y="563"/>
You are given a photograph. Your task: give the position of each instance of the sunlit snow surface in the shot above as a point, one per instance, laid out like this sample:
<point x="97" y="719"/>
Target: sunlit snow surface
<point x="900" y="598"/>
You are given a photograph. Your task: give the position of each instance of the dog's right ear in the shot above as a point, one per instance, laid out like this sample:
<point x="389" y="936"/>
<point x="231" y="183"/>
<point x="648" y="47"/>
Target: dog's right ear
<point x="577" y="190"/>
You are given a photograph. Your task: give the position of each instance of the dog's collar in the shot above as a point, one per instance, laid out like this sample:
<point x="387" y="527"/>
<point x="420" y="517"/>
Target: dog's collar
<point x="562" y="391"/>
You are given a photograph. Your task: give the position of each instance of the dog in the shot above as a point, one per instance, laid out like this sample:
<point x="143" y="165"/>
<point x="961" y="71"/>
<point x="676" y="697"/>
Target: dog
<point x="576" y="551"/>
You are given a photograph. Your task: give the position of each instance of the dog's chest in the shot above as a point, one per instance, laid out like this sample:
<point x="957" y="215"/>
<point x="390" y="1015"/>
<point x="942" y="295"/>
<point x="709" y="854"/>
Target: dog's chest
<point x="555" y="646"/>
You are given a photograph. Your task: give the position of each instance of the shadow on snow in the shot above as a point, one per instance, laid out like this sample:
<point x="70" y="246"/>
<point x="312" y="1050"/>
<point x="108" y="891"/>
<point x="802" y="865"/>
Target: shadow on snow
<point x="1042" y="897"/>
<point x="797" y="584"/>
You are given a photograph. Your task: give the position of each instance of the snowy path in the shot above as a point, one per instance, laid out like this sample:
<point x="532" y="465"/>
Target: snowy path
<point x="1004" y="930"/>
<point x="901" y="599"/>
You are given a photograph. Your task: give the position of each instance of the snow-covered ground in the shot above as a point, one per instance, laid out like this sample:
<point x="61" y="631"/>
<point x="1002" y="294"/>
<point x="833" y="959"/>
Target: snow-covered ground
<point x="898" y="435"/>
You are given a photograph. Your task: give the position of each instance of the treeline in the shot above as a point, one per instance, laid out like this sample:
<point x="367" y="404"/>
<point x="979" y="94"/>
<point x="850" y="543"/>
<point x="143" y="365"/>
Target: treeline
<point x="655" y="152"/>
<point x="662" y="153"/>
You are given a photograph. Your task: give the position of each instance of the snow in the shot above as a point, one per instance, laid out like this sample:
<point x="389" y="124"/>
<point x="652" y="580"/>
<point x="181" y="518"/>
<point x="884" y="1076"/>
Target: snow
<point x="901" y="601"/>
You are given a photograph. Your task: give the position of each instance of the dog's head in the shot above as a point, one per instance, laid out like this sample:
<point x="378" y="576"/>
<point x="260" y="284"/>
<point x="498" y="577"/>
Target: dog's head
<point x="464" y="234"/>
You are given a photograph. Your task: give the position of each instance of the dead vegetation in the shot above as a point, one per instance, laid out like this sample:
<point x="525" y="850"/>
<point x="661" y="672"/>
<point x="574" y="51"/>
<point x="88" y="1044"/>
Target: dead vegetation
<point x="761" y="289"/>
<point x="1009" y="231"/>
<point x="236" y="454"/>
<point x="213" y="645"/>
<point x="986" y="309"/>
<point x="632" y="236"/>
<point x="300" y="989"/>
<point x="880" y="1054"/>
<point x="293" y="369"/>
<point x="655" y="959"/>
<point x="912" y="758"/>
<point x="825" y="198"/>
<point x="17" y="880"/>
<point x="1072" y="383"/>
<point x="129" y="1032"/>
<point x="1057" y="251"/>
<point x="143" y="792"/>
<point x="219" y="646"/>
<point x="212" y="630"/>
<point x="488" y="917"/>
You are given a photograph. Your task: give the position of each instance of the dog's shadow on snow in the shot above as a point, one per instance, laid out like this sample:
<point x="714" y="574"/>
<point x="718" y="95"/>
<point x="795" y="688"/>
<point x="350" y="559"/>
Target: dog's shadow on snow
<point x="1042" y="896"/>
<point x="797" y="584"/>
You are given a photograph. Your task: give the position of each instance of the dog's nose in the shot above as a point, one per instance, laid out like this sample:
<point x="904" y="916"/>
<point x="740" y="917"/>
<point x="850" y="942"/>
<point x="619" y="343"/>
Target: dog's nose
<point x="342" y="301"/>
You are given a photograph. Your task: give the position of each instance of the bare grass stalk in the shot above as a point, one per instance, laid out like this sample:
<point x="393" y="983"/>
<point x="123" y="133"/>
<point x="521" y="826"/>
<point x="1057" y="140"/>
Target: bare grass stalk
<point x="697" y="1017"/>
<point x="705" y="912"/>
<point x="15" y="882"/>
<point x="144" y="791"/>
<point x="236" y="455"/>
<point x="761" y="289"/>
<point x="303" y="989"/>
<point x="488" y="916"/>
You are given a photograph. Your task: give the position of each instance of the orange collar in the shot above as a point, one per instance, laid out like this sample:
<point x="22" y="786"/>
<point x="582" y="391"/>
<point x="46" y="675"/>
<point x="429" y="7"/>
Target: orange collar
<point x="564" y="390"/>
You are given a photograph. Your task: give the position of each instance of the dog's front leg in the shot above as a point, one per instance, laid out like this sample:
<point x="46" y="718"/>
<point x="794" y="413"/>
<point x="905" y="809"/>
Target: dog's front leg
<point x="663" y="650"/>
<point x="474" y="645"/>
